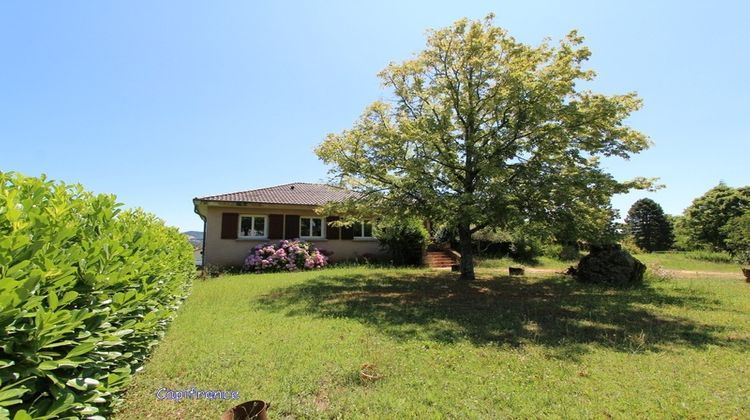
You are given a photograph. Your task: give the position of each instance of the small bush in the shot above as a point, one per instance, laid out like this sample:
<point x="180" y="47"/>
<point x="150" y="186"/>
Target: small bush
<point x="552" y="250"/>
<point x="86" y="291"/>
<point x="563" y="252"/>
<point x="404" y="240"/>
<point x="628" y="244"/>
<point x="285" y="256"/>
<point x="526" y="249"/>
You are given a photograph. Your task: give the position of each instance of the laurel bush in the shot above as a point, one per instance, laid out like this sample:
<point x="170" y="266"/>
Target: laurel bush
<point x="86" y="291"/>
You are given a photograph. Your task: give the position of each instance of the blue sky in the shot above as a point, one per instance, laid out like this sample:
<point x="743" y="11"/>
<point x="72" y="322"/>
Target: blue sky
<point x="159" y="102"/>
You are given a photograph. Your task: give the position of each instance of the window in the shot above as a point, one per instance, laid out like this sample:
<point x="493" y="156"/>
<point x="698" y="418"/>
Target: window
<point x="311" y="227"/>
<point x="363" y="230"/>
<point x="253" y="227"/>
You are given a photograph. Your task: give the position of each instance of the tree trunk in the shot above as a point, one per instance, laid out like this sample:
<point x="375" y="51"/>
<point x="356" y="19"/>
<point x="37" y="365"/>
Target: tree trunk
<point x="467" y="253"/>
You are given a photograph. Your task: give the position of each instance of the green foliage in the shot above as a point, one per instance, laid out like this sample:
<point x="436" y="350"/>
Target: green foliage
<point x="708" y="214"/>
<point x="405" y="240"/>
<point x="649" y="226"/>
<point x="552" y="250"/>
<point x="491" y="236"/>
<point x="526" y="249"/>
<point x="485" y="131"/>
<point x="628" y="244"/>
<point x="737" y="233"/>
<point x="682" y="240"/>
<point x="563" y="252"/>
<point x="86" y="291"/>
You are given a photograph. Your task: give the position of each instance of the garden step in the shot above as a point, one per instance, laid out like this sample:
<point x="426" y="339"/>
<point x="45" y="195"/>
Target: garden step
<point x="440" y="259"/>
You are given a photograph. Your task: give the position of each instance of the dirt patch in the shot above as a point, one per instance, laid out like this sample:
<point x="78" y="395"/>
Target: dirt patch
<point x="689" y="273"/>
<point x="675" y="273"/>
<point x="322" y="402"/>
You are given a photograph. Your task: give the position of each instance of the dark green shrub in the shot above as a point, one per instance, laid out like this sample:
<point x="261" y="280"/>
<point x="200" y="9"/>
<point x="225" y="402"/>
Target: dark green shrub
<point x="86" y="290"/>
<point x="405" y="240"/>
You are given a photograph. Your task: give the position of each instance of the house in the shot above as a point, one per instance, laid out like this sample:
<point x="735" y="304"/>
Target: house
<point x="235" y="222"/>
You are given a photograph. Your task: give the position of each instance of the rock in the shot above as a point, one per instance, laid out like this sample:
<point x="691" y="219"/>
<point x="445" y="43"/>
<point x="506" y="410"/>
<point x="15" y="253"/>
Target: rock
<point x="516" y="271"/>
<point x="610" y="265"/>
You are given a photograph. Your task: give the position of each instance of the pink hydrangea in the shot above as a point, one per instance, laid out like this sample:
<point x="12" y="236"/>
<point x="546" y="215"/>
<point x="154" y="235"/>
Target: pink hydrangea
<point x="285" y="255"/>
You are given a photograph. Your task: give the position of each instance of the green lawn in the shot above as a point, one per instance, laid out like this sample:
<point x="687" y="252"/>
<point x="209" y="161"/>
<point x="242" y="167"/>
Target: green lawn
<point x="682" y="261"/>
<point x="517" y="347"/>
<point x="541" y="262"/>
<point x="668" y="260"/>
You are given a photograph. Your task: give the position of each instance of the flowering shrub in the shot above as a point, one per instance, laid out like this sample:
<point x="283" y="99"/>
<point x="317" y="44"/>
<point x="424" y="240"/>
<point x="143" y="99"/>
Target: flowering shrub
<point x="285" y="256"/>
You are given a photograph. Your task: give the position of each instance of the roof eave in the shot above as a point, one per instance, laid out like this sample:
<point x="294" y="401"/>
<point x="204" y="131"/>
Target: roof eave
<point x="225" y="203"/>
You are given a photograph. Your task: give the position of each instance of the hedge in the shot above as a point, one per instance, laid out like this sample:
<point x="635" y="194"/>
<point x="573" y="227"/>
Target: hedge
<point x="86" y="291"/>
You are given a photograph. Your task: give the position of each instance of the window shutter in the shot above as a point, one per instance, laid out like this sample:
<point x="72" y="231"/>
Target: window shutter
<point x="347" y="232"/>
<point x="292" y="227"/>
<point x="229" y="225"/>
<point x="275" y="226"/>
<point x="332" y="232"/>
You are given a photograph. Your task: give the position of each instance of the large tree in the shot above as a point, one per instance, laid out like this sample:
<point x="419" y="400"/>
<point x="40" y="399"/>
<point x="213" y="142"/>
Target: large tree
<point x="708" y="214"/>
<point x="649" y="226"/>
<point x="485" y="131"/>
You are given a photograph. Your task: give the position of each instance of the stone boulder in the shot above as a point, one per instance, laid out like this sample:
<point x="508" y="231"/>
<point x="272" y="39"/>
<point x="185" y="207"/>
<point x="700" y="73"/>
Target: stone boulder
<point x="610" y="266"/>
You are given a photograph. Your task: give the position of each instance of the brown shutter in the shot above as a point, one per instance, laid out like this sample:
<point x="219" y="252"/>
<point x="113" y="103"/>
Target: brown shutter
<point x="229" y="225"/>
<point x="332" y="232"/>
<point x="275" y="226"/>
<point x="347" y="232"/>
<point x="292" y="227"/>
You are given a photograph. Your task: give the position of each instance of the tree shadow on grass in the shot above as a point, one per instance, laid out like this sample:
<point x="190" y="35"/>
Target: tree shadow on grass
<point x="506" y="311"/>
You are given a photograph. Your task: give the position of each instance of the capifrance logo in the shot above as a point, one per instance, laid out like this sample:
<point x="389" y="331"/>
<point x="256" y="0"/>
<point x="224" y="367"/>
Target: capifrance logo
<point x="194" y="393"/>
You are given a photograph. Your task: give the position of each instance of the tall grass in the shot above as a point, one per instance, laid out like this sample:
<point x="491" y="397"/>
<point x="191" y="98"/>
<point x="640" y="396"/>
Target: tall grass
<point x="710" y="256"/>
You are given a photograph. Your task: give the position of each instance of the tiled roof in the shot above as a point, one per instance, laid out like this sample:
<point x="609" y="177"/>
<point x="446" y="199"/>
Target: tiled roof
<point x="300" y="193"/>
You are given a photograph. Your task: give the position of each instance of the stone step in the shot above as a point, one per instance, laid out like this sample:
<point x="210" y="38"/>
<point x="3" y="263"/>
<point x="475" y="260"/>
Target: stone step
<point x="440" y="259"/>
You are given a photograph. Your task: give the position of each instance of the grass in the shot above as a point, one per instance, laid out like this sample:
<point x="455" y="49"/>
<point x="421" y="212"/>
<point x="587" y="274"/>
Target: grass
<point x="540" y="262"/>
<point x="670" y="260"/>
<point x="501" y="347"/>
<point x="686" y="261"/>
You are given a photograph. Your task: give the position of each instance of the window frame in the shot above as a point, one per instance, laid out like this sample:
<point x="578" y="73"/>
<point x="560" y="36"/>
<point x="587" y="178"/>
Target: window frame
<point x="252" y="226"/>
<point x="322" y="227"/>
<point x="360" y="236"/>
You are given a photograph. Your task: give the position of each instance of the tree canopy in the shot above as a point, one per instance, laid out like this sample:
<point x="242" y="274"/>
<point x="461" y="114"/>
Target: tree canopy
<point x="737" y="232"/>
<point x="485" y="131"/>
<point x="708" y="214"/>
<point x="649" y="226"/>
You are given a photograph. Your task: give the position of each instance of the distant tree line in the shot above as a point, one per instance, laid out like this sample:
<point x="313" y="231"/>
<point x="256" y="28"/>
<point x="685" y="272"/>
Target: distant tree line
<point x="716" y="223"/>
<point x="719" y="220"/>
